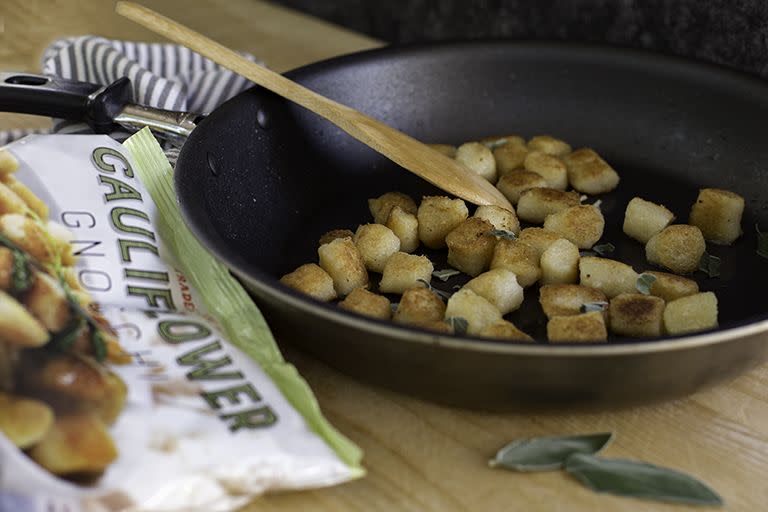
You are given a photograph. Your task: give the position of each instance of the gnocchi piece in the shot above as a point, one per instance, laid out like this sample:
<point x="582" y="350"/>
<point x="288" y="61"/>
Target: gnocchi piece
<point x="519" y="258"/>
<point x="560" y="263"/>
<point x="514" y="183"/>
<point x="678" y="247"/>
<point x="539" y="238"/>
<point x="381" y="207"/>
<point x="643" y="219"/>
<point x="333" y="234"/>
<point x="367" y="303"/>
<point x="444" y="149"/>
<point x="32" y="201"/>
<point x="420" y="306"/>
<point x="671" y="286"/>
<point x="404" y="271"/>
<point x="376" y="244"/>
<point x="583" y="224"/>
<point x="24" y="421"/>
<point x="636" y="315"/>
<point x="311" y="280"/>
<point x="548" y="167"/>
<point x="549" y="145"/>
<point x="509" y="158"/>
<point x="28" y="236"/>
<point x="584" y="327"/>
<point x="470" y="246"/>
<point x="438" y="216"/>
<point x="6" y="268"/>
<point x="439" y="326"/>
<point x="8" y="163"/>
<point x="504" y="330"/>
<point x="717" y="213"/>
<point x="498" y="286"/>
<point x="691" y="314"/>
<point x="75" y="444"/>
<point x="536" y="204"/>
<point x="567" y="299"/>
<point x="344" y="263"/>
<point x="500" y="218"/>
<point x="609" y="276"/>
<point x="478" y="159"/>
<point x="10" y="202"/>
<point x="476" y="310"/>
<point x="18" y="327"/>
<point x="590" y="174"/>
<point x="47" y="302"/>
<point x="406" y="227"/>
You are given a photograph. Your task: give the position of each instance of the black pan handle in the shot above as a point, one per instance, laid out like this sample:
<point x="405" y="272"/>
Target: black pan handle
<point x="67" y="99"/>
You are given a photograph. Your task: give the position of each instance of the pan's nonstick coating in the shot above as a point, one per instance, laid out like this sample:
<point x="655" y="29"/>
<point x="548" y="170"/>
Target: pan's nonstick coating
<point x="260" y="179"/>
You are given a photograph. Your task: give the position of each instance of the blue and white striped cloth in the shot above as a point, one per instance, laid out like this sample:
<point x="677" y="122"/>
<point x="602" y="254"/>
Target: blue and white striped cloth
<point x="163" y="75"/>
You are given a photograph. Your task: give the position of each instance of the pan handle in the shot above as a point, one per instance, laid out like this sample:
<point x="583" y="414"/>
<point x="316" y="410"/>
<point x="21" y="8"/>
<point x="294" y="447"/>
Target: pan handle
<point x="98" y="106"/>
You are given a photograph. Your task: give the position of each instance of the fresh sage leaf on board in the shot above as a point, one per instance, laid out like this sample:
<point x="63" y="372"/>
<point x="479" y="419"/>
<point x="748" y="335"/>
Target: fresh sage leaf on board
<point x="644" y="283"/>
<point x="458" y="324"/>
<point x="710" y="265"/>
<point x="639" y="480"/>
<point x="503" y="233"/>
<point x="588" y="307"/>
<point x="762" y="243"/>
<point x="441" y="293"/>
<point x="493" y="144"/>
<point x="547" y="453"/>
<point x="604" y="249"/>
<point x="445" y="274"/>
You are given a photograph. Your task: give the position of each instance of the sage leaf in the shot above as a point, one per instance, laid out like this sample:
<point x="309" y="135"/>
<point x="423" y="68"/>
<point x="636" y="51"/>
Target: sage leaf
<point x="762" y="243"/>
<point x="21" y="273"/>
<point x="639" y="480"/>
<point x="710" y="265"/>
<point x="445" y="274"/>
<point x="440" y="293"/>
<point x="503" y="233"/>
<point x="548" y="453"/>
<point x="393" y="306"/>
<point x="458" y="324"/>
<point x="604" y="249"/>
<point x="644" y="283"/>
<point x="588" y="307"/>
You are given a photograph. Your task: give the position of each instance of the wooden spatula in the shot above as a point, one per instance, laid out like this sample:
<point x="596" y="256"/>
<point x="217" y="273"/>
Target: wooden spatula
<point x="402" y="149"/>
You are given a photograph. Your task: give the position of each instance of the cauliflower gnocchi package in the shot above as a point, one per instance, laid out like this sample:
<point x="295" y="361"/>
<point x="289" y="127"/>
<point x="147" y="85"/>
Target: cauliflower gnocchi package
<point x="135" y="373"/>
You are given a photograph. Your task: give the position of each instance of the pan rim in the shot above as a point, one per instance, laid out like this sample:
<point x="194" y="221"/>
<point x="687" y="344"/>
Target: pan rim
<point x="271" y="286"/>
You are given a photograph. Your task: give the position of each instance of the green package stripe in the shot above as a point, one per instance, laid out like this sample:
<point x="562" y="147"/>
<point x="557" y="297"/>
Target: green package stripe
<point x="226" y="300"/>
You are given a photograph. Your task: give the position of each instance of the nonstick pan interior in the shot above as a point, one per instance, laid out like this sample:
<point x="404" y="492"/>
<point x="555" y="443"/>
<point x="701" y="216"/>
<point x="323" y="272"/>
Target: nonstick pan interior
<point x="260" y="179"/>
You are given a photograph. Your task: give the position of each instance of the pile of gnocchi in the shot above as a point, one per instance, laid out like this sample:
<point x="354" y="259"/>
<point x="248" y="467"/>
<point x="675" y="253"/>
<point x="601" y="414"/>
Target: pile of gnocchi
<point x="585" y="295"/>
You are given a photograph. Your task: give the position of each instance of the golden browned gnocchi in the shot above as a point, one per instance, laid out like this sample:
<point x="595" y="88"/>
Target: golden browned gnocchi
<point x="609" y="276"/>
<point x="548" y="167"/>
<point x="500" y="287"/>
<point x="671" y="286"/>
<point x="404" y="271"/>
<point x="589" y="173"/>
<point x="475" y="309"/>
<point x="333" y="234"/>
<point x="583" y="224"/>
<point x="477" y="158"/>
<point x="517" y="257"/>
<point x="438" y="216"/>
<point x="539" y="238"/>
<point x="504" y="330"/>
<point x="341" y="259"/>
<point x="509" y="157"/>
<point x="536" y="204"/>
<point x="691" y="313"/>
<point x="405" y="226"/>
<point x="584" y="327"/>
<point x="717" y="213"/>
<point x="549" y="145"/>
<point x="560" y="263"/>
<point x="367" y="303"/>
<point x="501" y="218"/>
<point x="376" y="244"/>
<point x="470" y="246"/>
<point x="381" y="207"/>
<point x="514" y="183"/>
<point x="568" y="299"/>
<point x="636" y="315"/>
<point x="643" y="219"/>
<point x="420" y="306"/>
<point x="678" y="247"/>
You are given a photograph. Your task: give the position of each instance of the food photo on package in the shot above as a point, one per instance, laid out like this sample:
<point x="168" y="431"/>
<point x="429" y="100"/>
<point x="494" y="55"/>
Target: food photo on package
<point x="136" y="374"/>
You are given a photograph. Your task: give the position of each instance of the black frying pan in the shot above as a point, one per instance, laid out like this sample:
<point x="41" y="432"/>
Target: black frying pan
<point x="260" y="179"/>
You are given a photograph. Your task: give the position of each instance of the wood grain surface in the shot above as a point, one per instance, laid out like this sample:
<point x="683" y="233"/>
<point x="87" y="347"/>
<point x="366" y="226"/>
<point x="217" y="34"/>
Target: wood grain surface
<point x="420" y="456"/>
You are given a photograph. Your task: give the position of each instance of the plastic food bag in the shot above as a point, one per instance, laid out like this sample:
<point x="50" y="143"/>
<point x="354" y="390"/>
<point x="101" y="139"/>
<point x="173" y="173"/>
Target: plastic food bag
<point x="156" y="385"/>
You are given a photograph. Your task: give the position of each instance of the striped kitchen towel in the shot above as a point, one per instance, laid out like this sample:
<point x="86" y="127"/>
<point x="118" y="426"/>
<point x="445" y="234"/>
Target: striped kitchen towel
<point x="162" y="75"/>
